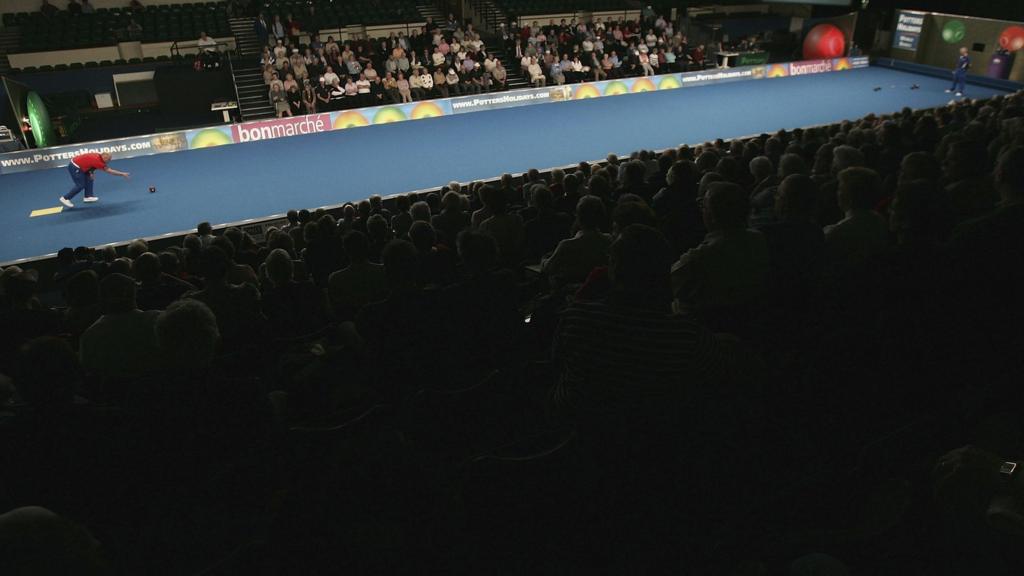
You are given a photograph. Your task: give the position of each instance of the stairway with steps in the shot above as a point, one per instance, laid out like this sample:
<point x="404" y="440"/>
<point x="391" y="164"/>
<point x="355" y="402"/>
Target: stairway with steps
<point x="246" y="43"/>
<point x="9" y="40"/>
<point x="253" y="100"/>
<point x="429" y="12"/>
<point x="491" y="17"/>
<point x="516" y="79"/>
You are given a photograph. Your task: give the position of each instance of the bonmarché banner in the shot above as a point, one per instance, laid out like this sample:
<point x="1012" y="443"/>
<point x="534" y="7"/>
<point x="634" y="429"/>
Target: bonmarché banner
<point x="225" y="134"/>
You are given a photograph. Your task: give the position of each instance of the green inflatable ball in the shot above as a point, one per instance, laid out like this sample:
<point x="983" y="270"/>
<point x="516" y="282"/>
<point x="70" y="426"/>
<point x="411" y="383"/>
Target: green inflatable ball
<point x="953" y="31"/>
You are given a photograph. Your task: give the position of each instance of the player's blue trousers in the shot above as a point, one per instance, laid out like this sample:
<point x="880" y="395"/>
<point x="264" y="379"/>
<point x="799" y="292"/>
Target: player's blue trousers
<point x="81" y="180"/>
<point x="959" y="82"/>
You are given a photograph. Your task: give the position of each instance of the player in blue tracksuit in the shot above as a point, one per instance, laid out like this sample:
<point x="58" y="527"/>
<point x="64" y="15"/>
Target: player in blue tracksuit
<point x="963" y="64"/>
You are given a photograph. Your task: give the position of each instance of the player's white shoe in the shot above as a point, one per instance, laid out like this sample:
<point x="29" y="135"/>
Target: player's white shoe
<point x="960" y="94"/>
<point x="949" y="91"/>
<point x="67" y="203"/>
<point x="92" y="199"/>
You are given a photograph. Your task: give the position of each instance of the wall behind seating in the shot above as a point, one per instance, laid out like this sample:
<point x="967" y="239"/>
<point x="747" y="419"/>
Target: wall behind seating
<point x="84" y="55"/>
<point x="92" y="80"/>
<point x="33" y="5"/>
<point x="934" y="50"/>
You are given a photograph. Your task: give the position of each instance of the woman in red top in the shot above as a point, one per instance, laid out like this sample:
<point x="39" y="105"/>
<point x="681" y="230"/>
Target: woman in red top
<point x="81" y="169"/>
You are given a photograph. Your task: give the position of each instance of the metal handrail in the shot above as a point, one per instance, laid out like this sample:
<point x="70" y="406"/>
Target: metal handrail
<point x="175" y="50"/>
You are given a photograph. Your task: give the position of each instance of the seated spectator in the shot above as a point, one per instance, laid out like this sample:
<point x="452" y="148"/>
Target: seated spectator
<point x="82" y="297"/>
<point x="986" y="252"/>
<point x="629" y="355"/>
<point x="48" y="9"/>
<point x="122" y="342"/>
<point x="728" y="270"/>
<point x="547" y="227"/>
<point x="436" y="262"/>
<point x="597" y="285"/>
<point x="208" y="53"/>
<point x="796" y="244"/>
<point x="22" y="316"/>
<point x="40" y="542"/>
<point x="505" y="227"/>
<point x="862" y="231"/>
<point x="360" y="283"/>
<point x="483" y="305"/>
<point x="402" y="332"/>
<point x="279" y="98"/>
<point x="451" y="220"/>
<point x="677" y="208"/>
<point x="156" y="289"/>
<point x="575" y="257"/>
<point x="236" y="306"/>
<point x="291" y="307"/>
<point x="535" y="73"/>
<point x="237" y="273"/>
<point x="967" y="173"/>
<point x="843" y="157"/>
<point x="404" y="88"/>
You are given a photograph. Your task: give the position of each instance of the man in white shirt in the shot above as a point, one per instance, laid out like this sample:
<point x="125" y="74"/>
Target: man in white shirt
<point x="330" y="77"/>
<point x="426" y="80"/>
<point x="416" y="86"/>
<point x="536" y="74"/>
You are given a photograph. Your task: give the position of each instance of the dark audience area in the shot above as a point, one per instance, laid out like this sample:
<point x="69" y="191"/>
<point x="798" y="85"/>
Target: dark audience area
<point x="798" y="353"/>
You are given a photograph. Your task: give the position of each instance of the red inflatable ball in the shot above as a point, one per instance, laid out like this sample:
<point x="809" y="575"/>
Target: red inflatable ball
<point x="824" y="41"/>
<point x="1012" y="39"/>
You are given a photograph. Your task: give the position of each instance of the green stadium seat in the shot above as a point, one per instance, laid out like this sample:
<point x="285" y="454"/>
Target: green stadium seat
<point x="120" y="62"/>
<point x="106" y="63"/>
<point x="46" y="68"/>
<point x="135" y="60"/>
<point x="30" y="69"/>
<point x="149" y="59"/>
<point x="92" y="64"/>
<point x="60" y="67"/>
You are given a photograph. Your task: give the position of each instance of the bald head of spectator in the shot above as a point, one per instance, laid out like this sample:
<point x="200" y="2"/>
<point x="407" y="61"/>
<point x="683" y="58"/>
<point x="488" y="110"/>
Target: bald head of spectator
<point x="188" y="335"/>
<point x="725" y="207"/>
<point x="136" y="248"/>
<point x="590" y="212"/>
<point x="117" y="294"/>
<point x="797" y="199"/>
<point x="858" y="188"/>
<point x="422" y="236"/>
<point x="420" y="211"/>
<point x="628" y="213"/>
<point x="844" y="157"/>
<point x="146" y="268"/>
<point x="279" y="267"/>
<point x="761" y="168"/>
<point x="919" y="166"/>
<point x="37" y="541"/>
<point x="791" y="164"/>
